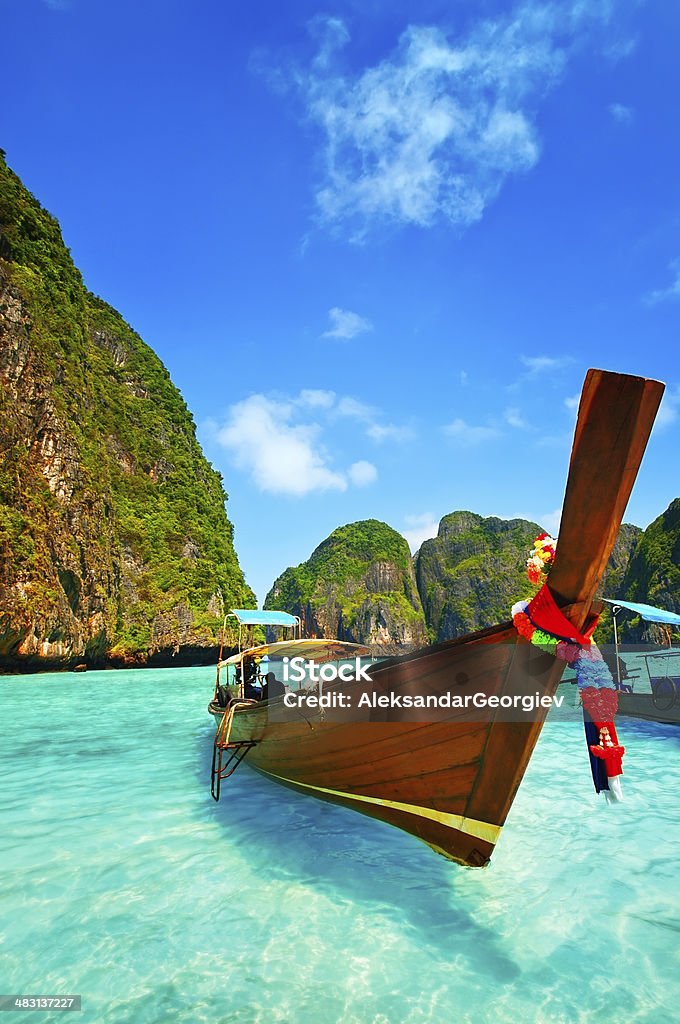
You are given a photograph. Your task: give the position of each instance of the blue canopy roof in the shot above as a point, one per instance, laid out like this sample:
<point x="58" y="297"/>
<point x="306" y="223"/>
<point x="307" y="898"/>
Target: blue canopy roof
<point x="647" y="612"/>
<point x="255" y="617"/>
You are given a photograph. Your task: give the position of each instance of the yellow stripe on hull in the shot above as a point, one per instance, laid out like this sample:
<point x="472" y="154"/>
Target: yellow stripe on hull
<point x="480" y="829"/>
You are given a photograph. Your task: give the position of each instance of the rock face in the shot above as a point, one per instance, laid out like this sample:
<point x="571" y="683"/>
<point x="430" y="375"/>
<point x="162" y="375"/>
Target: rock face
<point x="358" y="585"/>
<point x="617" y="567"/>
<point x="612" y="584"/>
<point x="473" y="571"/>
<point x="114" y="542"/>
<point x="652" y="575"/>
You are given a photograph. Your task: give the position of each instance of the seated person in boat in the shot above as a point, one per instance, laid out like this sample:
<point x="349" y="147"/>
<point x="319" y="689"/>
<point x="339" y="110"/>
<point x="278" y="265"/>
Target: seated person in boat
<point x="251" y="684"/>
<point x="273" y="687"/>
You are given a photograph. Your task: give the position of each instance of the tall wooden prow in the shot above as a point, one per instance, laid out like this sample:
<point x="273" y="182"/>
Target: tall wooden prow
<point x="615" y="418"/>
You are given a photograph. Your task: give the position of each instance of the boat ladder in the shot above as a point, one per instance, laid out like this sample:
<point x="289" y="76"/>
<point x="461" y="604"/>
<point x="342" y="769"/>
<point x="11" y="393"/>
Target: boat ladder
<point x="228" y="753"/>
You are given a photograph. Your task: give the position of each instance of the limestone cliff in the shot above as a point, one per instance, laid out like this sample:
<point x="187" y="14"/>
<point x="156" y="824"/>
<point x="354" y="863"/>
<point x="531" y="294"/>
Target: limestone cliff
<point x="358" y="585"/>
<point x="652" y="576"/>
<point x="114" y="540"/>
<point x="473" y="571"/>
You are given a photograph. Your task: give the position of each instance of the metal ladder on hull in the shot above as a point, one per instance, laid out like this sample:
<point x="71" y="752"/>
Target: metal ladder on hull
<point x="228" y="754"/>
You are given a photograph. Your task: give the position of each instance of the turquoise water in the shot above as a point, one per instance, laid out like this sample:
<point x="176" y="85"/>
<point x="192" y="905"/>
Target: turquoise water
<point x="123" y="881"/>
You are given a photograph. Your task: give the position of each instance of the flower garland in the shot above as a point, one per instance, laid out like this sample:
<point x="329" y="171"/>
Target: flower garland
<point x="542" y="623"/>
<point x="541" y="558"/>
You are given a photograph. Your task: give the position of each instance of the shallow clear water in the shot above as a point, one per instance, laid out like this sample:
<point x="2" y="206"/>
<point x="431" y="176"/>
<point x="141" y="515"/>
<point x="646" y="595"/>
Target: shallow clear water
<point x="123" y="881"/>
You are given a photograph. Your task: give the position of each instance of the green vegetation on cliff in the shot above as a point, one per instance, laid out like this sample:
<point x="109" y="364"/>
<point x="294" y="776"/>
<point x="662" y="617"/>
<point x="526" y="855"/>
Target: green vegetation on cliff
<point x="473" y="571"/>
<point x="358" y="585"/>
<point x="652" y="574"/>
<point x="114" y="539"/>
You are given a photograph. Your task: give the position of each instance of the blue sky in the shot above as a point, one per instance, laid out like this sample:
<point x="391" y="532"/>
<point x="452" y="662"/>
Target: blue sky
<point x="376" y="244"/>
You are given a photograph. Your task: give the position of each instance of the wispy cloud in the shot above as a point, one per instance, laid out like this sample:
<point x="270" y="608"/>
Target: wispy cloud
<point x="669" y="410"/>
<point x="432" y="131"/>
<point x="352" y="408"/>
<point x="57" y="5"/>
<point x="468" y="435"/>
<point x="362" y="473"/>
<point x="389" y="432"/>
<point x="544" y="364"/>
<point x="572" y="403"/>
<point x="514" y="418"/>
<point x="621" y="113"/>
<point x="420" y="528"/>
<point x="316" y="398"/>
<point x="671" y="292"/>
<point x="344" y="324"/>
<point x="619" y="49"/>
<point x="355" y="410"/>
<point x="549" y="521"/>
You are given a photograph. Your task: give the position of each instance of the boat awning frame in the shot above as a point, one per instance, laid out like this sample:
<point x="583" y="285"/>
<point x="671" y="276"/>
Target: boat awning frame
<point x="647" y="612"/>
<point x="258" y="617"/>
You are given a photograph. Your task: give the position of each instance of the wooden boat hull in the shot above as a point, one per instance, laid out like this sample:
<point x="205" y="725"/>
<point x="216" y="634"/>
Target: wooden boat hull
<point x="450" y="778"/>
<point x="436" y="778"/>
<point x="646" y="706"/>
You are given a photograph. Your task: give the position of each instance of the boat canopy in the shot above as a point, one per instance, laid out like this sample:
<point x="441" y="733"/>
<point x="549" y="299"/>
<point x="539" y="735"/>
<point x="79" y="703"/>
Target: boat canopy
<point x="319" y="651"/>
<point x="647" y="612"/>
<point x="255" y="617"/>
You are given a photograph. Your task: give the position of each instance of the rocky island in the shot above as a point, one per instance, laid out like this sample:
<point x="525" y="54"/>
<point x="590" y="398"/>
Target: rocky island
<point x="115" y="547"/>
<point x="357" y="585"/>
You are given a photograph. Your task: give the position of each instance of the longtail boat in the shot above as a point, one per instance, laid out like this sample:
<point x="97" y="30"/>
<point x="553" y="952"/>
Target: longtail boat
<point x="449" y="777"/>
<point x="660" y="702"/>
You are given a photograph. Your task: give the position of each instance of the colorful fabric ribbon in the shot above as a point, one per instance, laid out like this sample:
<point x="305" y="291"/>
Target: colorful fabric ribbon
<point x="542" y="623"/>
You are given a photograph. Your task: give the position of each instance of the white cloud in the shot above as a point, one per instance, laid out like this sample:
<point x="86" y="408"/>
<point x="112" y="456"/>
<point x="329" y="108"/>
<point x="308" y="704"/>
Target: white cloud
<point x="362" y="473"/>
<point x="282" y="458"/>
<point x="273" y="440"/>
<point x="463" y="376"/>
<point x="572" y="402"/>
<point x="671" y="292"/>
<point x="345" y="325"/>
<point x="432" y="131"/>
<point x="514" y="418"/>
<point x="621" y="113"/>
<point x="466" y="434"/>
<point x="421" y="528"/>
